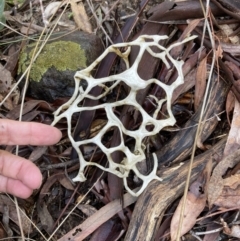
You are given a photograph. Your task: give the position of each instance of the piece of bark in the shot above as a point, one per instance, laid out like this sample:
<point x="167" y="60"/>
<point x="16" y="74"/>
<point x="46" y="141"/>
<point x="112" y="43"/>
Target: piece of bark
<point x="159" y="195"/>
<point x="182" y="142"/>
<point x="231" y="8"/>
<point x="183" y="11"/>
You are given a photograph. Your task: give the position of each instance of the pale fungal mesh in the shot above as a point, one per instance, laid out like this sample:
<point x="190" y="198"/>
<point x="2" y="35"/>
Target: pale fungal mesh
<point x="131" y="78"/>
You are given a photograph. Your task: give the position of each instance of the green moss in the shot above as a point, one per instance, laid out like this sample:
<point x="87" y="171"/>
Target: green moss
<point x="62" y="55"/>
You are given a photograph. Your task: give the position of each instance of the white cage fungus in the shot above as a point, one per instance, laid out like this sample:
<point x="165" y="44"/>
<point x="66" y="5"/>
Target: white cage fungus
<point x="131" y="78"/>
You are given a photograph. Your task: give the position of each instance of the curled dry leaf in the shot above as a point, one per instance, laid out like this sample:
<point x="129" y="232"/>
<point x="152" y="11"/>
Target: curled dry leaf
<point x="28" y="107"/>
<point x="233" y="141"/>
<point x="66" y="182"/>
<point x="27" y="30"/>
<point x="227" y="33"/>
<point x="190" y="77"/>
<point x="195" y="203"/>
<point x="5" y="79"/>
<point x="191" y="26"/>
<point x="12" y="212"/>
<point x="5" y="221"/>
<point x="233" y="231"/>
<point x="50" y="10"/>
<point x="87" y="209"/>
<point x="42" y="208"/>
<point x="223" y="192"/>
<point x="45" y="217"/>
<point x="12" y="101"/>
<point x="37" y="153"/>
<point x="200" y="85"/>
<point x="80" y="17"/>
<point x="3" y="232"/>
<point x="230" y="195"/>
<point x="234" y="68"/>
<point x="230" y="104"/>
<point x="219" y="52"/>
<point x="5" y="86"/>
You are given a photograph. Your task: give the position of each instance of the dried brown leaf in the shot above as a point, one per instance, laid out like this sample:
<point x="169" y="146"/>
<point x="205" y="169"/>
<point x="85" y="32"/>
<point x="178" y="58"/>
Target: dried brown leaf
<point x="5" y="220"/>
<point x="233" y="141"/>
<point x="200" y="85"/>
<point x="8" y="104"/>
<point x="51" y="9"/>
<point x="45" y="217"/>
<point x="27" y="30"/>
<point x="48" y="184"/>
<point x="233" y="231"/>
<point x="12" y="58"/>
<point x="25" y="222"/>
<point x="177" y="50"/>
<point x="37" y="153"/>
<point x="27" y="107"/>
<point x="191" y="26"/>
<point x="98" y="218"/>
<point x="193" y="208"/>
<point x="230" y="196"/>
<point x="80" y="17"/>
<point x="5" y="79"/>
<point x="229" y="104"/>
<point x="67" y="152"/>
<point x="218" y="191"/>
<point x="3" y="234"/>
<point x="31" y="115"/>
<point x="189" y="82"/>
<point x="219" y="52"/>
<point x="195" y="203"/>
<point x="87" y="209"/>
<point x="232" y="181"/>
<point x="234" y="68"/>
<point x="65" y="182"/>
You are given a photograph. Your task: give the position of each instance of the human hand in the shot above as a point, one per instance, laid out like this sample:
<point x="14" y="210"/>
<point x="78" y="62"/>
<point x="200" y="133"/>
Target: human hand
<point x="19" y="176"/>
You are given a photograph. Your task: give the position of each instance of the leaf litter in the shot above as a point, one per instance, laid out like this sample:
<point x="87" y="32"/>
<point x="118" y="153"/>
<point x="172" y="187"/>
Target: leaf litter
<point x="196" y="202"/>
<point x="110" y="205"/>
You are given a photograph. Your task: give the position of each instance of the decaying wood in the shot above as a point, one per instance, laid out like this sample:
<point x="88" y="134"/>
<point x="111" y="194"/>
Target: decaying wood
<point x="182" y="142"/>
<point x="158" y="196"/>
<point x="154" y="201"/>
<point x="183" y="11"/>
<point x="232" y="8"/>
<point x="229" y="73"/>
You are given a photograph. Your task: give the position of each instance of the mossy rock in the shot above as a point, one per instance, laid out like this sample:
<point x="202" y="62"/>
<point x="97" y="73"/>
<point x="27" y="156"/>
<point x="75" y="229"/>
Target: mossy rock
<point x="52" y="74"/>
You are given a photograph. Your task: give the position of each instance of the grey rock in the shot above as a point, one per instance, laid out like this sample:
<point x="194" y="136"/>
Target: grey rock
<point x="52" y="74"/>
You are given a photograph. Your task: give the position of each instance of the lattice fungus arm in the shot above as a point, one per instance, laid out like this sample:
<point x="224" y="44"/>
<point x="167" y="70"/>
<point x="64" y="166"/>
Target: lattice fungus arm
<point x="131" y="78"/>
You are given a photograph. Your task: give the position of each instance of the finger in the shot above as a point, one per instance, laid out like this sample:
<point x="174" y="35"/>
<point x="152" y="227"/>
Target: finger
<point x="14" y="187"/>
<point x="18" y="168"/>
<point x="27" y="133"/>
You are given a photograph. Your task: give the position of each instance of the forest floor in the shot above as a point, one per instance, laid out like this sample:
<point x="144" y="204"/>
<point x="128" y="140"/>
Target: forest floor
<point x="171" y="111"/>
